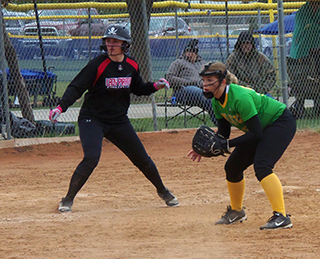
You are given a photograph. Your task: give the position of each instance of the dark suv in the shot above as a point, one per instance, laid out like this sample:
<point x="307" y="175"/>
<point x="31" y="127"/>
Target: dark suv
<point x="53" y="29"/>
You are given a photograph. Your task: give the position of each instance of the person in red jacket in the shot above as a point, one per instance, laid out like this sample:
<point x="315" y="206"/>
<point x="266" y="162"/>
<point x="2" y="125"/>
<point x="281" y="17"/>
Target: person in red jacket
<point x="109" y="79"/>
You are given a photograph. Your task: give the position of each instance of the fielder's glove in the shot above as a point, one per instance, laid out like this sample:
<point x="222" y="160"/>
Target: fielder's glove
<point x="208" y="144"/>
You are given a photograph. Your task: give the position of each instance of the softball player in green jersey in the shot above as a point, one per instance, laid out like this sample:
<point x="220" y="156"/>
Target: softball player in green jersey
<point x="268" y="128"/>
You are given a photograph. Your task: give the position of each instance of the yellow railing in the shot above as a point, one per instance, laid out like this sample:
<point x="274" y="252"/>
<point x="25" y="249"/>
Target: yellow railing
<point x="205" y="9"/>
<point x="158" y="5"/>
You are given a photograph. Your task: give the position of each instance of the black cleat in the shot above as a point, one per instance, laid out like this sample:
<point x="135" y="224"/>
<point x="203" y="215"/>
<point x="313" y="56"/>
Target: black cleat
<point x="65" y="204"/>
<point x="232" y="216"/>
<point x="168" y="197"/>
<point x="277" y="221"/>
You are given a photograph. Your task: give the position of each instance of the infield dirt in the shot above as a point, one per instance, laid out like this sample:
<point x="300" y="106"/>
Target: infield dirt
<point x="118" y="214"/>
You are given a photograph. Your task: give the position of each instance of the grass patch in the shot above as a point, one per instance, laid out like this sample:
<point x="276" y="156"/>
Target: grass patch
<point x="147" y="124"/>
<point x="310" y="120"/>
<point x="67" y="69"/>
<point x="308" y="124"/>
<point x="142" y="125"/>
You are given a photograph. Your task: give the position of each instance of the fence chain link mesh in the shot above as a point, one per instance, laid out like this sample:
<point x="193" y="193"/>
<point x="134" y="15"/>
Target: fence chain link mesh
<point x="47" y="44"/>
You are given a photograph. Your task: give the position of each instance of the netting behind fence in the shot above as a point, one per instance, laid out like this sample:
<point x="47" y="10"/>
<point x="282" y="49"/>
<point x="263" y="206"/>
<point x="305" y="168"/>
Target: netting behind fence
<point x="39" y="66"/>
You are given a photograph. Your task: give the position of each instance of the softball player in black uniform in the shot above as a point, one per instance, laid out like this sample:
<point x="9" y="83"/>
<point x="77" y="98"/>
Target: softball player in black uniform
<point x="109" y="79"/>
<point x="269" y="128"/>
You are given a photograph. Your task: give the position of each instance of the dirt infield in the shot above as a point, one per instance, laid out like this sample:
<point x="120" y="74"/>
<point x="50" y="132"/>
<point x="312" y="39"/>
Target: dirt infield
<point x="118" y="214"/>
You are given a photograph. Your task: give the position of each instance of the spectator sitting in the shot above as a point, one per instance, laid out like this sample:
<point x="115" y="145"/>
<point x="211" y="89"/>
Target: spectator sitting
<point x="252" y="68"/>
<point x="183" y="76"/>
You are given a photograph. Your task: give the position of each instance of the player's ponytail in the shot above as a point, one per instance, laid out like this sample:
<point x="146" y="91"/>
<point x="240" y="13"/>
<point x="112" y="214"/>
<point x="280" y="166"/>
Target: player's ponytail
<point x="231" y="78"/>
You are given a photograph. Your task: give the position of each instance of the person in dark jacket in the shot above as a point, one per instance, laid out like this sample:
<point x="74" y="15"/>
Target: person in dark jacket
<point x="109" y="79"/>
<point x="252" y="68"/>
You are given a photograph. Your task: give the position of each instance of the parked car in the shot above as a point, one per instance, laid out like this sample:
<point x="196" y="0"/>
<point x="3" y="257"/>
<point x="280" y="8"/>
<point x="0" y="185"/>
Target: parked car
<point x="14" y="26"/>
<point x="52" y="29"/>
<point x="166" y="26"/>
<point x="66" y="26"/>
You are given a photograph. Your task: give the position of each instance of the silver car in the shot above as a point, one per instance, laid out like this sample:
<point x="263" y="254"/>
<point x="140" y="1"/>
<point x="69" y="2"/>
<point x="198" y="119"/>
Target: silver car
<point x="14" y="26"/>
<point x="166" y="26"/>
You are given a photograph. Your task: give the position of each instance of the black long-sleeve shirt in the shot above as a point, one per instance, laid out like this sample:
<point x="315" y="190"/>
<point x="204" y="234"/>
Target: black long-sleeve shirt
<point x="254" y="134"/>
<point x="108" y="85"/>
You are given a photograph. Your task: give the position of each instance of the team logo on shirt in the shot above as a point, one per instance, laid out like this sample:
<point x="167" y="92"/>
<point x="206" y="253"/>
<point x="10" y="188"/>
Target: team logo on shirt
<point x="118" y="82"/>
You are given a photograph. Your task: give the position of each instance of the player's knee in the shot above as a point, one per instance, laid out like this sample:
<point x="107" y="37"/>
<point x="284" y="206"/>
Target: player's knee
<point x="262" y="171"/>
<point x="87" y="165"/>
<point x="146" y="166"/>
<point x="233" y="174"/>
<point x="91" y="162"/>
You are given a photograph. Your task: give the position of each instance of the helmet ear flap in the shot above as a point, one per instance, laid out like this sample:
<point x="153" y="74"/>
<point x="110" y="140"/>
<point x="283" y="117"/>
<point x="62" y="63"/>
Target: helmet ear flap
<point x="103" y="46"/>
<point x="125" y="47"/>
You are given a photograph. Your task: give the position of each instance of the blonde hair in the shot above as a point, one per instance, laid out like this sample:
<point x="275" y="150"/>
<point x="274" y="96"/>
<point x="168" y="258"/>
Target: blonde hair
<point x="231" y="78"/>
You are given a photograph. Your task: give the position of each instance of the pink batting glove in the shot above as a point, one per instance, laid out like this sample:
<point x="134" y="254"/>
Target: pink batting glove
<point x="55" y="113"/>
<point x="162" y="83"/>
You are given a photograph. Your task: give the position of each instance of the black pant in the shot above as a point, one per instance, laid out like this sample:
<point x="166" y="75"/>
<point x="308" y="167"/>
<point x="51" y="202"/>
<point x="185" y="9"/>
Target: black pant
<point x="265" y="153"/>
<point x="121" y="135"/>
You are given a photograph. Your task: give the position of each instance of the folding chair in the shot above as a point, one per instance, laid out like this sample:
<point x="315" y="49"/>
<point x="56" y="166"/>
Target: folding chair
<point x="184" y="110"/>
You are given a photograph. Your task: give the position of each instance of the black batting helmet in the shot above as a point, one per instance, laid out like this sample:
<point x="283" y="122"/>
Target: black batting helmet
<point x="119" y="32"/>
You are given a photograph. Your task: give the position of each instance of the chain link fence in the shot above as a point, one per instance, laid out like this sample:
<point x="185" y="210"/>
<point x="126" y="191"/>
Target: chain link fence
<point x="45" y="45"/>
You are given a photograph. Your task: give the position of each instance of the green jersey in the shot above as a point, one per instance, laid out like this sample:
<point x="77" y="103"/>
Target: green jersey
<point x="242" y="103"/>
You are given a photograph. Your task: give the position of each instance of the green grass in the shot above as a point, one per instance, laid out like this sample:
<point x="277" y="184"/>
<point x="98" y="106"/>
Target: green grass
<point x="311" y="120"/>
<point x="147" y="124"/>
<point x="309" y="124"/>
<point x="55" y="134"/>
<point x="66" y="70"/>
